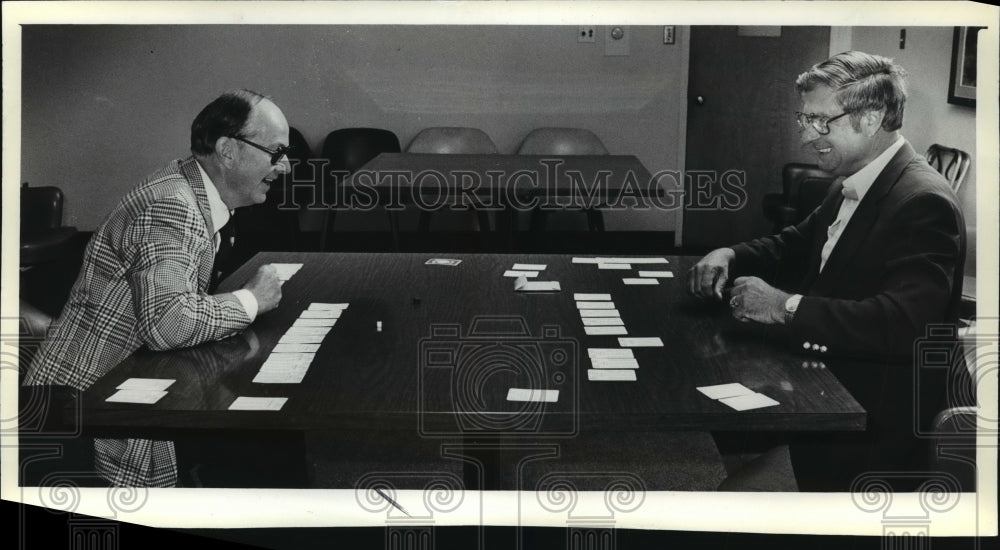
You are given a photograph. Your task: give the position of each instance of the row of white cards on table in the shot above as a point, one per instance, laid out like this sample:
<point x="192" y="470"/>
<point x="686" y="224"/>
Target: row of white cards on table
<point x="290" y="359"/>
<point x="735" y="395"/>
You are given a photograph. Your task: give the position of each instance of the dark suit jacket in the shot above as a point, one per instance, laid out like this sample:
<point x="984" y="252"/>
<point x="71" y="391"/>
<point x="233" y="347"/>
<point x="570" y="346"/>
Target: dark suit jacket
<point x="897" y="267"/>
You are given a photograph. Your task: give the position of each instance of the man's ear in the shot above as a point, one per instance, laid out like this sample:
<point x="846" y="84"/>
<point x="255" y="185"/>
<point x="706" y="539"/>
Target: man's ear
<point x="871" y="122"/>
<point x="225" y="149"/>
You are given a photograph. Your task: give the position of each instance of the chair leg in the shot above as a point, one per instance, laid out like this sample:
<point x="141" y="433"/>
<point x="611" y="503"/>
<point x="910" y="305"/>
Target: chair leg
<point x="328" y="221"/>
<point x="424" y="224"/>
<point x="394" y="229"/>
<point x="595" y="219"/>
<point x="484" y="220"/>
<point x="538" y="221"/>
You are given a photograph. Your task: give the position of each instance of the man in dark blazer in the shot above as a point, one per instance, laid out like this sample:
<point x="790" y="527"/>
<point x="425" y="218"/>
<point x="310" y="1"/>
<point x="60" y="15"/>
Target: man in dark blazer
<point x="148" y="267"/>
<point x="880" y="259"/>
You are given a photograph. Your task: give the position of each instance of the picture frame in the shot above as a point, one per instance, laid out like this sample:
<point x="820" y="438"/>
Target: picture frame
<point x="962" y="82"/>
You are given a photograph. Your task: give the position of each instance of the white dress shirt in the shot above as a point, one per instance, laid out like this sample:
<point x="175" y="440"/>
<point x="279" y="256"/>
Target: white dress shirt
<point x="856" y="186"/>
<point x="220" y="216"/>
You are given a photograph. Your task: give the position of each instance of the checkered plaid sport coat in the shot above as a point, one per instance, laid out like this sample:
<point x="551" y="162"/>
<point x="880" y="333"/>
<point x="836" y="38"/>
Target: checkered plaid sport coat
<point x="143" y="283"/>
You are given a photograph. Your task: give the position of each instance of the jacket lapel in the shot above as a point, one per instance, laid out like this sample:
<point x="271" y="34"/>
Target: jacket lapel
<point x="189" y="168"/>
<point x="864" y="217"/>
<point x="825" y="215"/>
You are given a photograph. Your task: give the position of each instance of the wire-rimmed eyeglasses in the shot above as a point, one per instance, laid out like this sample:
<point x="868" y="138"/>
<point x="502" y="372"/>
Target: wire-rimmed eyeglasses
<point x="817" y="122"/>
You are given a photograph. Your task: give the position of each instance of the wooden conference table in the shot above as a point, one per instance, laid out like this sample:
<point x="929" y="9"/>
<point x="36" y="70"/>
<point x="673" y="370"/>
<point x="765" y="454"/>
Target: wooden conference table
<point x="504" y="184"/>
<point x="455" y="339"/>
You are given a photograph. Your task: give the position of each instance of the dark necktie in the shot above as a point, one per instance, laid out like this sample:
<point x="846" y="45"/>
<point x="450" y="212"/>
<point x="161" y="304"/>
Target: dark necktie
<point x="223" y="256"/>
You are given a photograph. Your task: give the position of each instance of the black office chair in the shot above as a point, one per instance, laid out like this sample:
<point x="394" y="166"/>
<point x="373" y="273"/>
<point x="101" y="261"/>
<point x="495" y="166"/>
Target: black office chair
<point x="274" y="224"/>
<point x="952" y="163"/>
<point x="563" y="141"/>
<point x="44" y="238"/>
<point x="452" y="140"/>
<point x="804" y="186"/>
<point x="347" y="150"/>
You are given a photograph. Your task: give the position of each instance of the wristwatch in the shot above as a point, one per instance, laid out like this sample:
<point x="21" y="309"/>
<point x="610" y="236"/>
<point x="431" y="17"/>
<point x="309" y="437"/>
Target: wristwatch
<point x="791" y="306"/>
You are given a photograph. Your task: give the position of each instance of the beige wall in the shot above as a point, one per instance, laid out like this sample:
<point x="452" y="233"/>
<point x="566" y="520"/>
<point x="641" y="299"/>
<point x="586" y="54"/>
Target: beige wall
<point x="103" y="106"/>
<point x="929" y="117"/>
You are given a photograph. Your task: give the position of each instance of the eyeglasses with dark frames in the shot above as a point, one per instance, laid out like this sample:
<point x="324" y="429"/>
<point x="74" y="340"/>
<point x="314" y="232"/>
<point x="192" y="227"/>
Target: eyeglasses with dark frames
<point x="819" y="123"/>
<point x="276" y="154"/>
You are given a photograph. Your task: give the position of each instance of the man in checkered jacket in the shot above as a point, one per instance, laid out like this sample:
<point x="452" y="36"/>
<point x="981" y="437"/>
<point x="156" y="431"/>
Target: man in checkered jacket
<point x="147" y="269"/>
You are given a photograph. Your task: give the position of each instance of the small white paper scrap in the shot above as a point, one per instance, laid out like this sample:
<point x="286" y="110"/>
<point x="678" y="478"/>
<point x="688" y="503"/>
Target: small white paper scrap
<point x="640" y="281"/>
<point x="651" y="342"/>
<point x="146" y="397"/>
<point x="289" y="358"/>
<point x="595" y="305"/>
<point x="258" y="404"/>
<point x="522" y="394"/>
<point x="722" y="391"/>
<point x="523" y="285"/>
<point x="319" y="306"/>
<point x="314" y="323"/>
<point x="306" y="331"/>
<point x="632" y="260"/>
<point x="614" y="266"/>
<point x="585" y="260"/>
<point x="747" y="402"/>
<point x="529" y="267"/>
<point x="279" y="377"/>
<point x="302" y="339"/>
<point x="599" y="313"/>
<point x="610" y="353"/>
<point x="150" y="384"/>
<point x="603" y="322"/>
<point x="285" y="271"/>
<point x="605" y="331"/>
<point x="591" y="297"/>
<point x="320" y="314"/>
<point x="625" y="363"/>
<point x="657" y="274"/>
<point x="610" y="375"/>
<point x="512" y="273"/>
<point x="295" y="348"/>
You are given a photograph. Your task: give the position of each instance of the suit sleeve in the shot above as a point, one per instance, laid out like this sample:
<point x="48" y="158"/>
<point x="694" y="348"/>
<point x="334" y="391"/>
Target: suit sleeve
<point x="919" y="266"/>
<point x="161" y="251"/>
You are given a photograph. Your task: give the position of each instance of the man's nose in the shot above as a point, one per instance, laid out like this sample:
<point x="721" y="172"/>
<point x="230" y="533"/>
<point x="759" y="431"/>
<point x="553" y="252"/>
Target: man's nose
<point x="283" y="166"/>
<point x="808" y="134"/>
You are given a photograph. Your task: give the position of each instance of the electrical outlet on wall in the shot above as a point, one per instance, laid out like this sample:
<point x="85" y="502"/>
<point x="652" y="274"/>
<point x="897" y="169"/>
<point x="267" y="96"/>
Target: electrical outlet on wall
<point x="586" y="34"/>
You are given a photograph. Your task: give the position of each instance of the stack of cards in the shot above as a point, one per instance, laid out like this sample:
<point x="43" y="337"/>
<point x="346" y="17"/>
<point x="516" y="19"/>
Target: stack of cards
<point x="528" y="271"/>
<point x="611" y="365"/>
<point x="291" y="357"/>
<point x="738" y="396"/>
<point x="141" y="390"/>
<point x="522" y="284"/>
<point x="644" y="278"/>
<point x="599" y="316"/>
<point x="285" y="271"/>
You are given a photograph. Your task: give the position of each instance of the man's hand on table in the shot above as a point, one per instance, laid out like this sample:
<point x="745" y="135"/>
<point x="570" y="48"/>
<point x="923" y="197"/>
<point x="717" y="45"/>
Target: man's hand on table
<point x="266" y="288"/>
<point x="754" y="300"/>
<point x="709" y="276"/>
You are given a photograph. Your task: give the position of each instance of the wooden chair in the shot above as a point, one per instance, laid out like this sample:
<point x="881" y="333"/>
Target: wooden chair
<point x="452" y="140"/>
<point x="952" y="163"/>
<point x="345" y="151"/>
<point x="563" y="141"/>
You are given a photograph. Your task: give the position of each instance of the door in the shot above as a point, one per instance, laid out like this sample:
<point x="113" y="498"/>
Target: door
<point x="740" y="126"/>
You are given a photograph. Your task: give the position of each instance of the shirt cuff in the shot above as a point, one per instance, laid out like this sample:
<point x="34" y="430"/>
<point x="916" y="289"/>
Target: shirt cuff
<point x="249" y="302"/>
